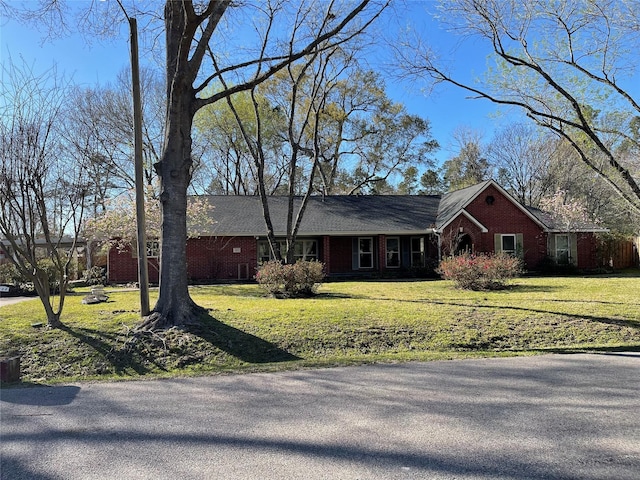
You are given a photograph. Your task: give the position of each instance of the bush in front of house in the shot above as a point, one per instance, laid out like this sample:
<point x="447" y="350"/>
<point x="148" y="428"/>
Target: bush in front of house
<point x="300" y="279"/>
<point x="481" y="271"/>
<point x="95" y="276"/>
<point x="10" y="274"/>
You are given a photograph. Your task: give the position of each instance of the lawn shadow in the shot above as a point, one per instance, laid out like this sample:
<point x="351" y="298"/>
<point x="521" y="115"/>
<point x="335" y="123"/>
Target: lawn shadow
<point x="105" y="344"/>
<point x="242" y="345"/>
<point x="624" y="351"/>
<point x="334" y="296"/>
<point x="41" y="396"/>
<point x="516" y="287"/>
<point x="227" y="290"/>
<point x="607" y="320"/>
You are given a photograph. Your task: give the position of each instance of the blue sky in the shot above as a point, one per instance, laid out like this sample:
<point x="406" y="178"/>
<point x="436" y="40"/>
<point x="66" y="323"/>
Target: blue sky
<point x="447" y="108"/>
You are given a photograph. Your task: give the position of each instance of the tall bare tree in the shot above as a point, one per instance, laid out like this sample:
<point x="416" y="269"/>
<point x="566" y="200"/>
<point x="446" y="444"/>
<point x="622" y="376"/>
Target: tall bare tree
<point x="42" y="192"/>
<point x="227" y="166"/>
<point x="521" y="155"/>
<point x="99" y="127"/>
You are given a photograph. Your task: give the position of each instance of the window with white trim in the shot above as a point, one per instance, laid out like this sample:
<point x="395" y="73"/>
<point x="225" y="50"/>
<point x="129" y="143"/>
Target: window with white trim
<point x="153" y="248"/>
<point x="393" y="252"/>
<point x="264" y="252"/>
<point x="562" y="249"/>
<point x="306" y="250"/>
<point x="508" y="244"/>
<point x="365" y="252"/>
<point x="302" y="250"/>
<point x="417" y="252"/>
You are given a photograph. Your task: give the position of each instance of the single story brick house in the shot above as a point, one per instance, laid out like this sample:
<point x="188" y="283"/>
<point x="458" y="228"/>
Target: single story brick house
<point x="375" y="235"/>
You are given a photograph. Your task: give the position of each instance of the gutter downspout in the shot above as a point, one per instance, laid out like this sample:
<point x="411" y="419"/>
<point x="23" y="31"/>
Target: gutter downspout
<point x="437" y="234"/>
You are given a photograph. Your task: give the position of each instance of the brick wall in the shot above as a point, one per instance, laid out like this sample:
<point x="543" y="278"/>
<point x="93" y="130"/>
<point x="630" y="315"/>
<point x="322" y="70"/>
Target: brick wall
<point x="325" y="254"/>
<point x="209" y="258"/>
<point x="122" y="267"/>
<point x="503" y="217"/>
<point x="587" y="251"/>
<point x="222" y="258"/>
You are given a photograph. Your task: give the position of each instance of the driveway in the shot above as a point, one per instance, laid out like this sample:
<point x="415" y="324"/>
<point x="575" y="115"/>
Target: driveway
<point x="543" y="417"/>
<point x="11" y="300"/>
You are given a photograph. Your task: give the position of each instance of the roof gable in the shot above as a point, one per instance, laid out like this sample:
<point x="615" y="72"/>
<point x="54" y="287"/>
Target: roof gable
<point x="454" y="203"/>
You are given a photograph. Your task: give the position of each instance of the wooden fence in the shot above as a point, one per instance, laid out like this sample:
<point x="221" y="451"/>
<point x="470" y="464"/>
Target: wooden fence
<point x="619" y="253"/>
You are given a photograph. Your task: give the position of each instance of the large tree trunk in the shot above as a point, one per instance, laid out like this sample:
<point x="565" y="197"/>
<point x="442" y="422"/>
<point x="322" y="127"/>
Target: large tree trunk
<point x="175" y="306"/>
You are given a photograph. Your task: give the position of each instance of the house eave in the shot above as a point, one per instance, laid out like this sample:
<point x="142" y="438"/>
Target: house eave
<point x="346" y="233"/>
<point x="578" y="230"/>
<point x="470" y="217"/>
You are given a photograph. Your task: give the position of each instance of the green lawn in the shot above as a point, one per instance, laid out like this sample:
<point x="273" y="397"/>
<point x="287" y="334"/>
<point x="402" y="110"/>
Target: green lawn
<point x="348" y="322"/>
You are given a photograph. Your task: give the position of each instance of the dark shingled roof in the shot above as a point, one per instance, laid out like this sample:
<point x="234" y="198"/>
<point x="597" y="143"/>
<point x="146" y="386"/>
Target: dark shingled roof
<point x="554" y="225"/>
<point x="357" y="214"/>
<point x="453" y="202"/>
<point x="331" y="215"/>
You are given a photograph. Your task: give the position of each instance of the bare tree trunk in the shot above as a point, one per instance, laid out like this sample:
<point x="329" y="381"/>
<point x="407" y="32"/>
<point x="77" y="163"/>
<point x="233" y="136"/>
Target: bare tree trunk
<point x="175" y="306"/>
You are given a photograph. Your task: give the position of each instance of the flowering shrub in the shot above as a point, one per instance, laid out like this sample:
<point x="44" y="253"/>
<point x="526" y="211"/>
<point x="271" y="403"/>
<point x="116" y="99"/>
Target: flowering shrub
<point x="281" y="280"/>
<point x="480" y="272"/>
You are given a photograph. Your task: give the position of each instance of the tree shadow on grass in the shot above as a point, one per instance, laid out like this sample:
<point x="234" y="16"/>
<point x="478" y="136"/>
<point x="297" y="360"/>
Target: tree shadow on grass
<point x="594" y="318"/>
<point x="625" y="350"/>
<point x="527" y="288"/>
<point x="107" y="347"/>
<point x="161" y="351"/>
<point x="241" y="345"/>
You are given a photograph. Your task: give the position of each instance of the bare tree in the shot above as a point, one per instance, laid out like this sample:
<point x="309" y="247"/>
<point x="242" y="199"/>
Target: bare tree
<point x="306" y="83"/>
<point x="227" y="165"/>
<point x="568" y="65"/>
<point x="521" y="156"/>
<point x="42" y="194"/>
<point x="99" y="128"/>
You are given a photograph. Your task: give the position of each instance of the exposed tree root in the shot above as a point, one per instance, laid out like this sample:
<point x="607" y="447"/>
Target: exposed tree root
<point x="183" y="315"/>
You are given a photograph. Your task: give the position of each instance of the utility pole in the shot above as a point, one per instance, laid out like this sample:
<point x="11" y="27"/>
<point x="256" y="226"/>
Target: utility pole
<point x="143" y="272"/>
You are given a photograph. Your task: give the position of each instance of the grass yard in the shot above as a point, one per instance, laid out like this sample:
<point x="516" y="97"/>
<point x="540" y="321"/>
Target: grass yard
<point x="348" y="322"/>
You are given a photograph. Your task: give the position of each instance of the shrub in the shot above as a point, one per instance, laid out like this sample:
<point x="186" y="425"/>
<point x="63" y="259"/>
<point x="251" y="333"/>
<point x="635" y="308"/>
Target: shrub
<point x="9" y="274"/>
<point x="282" y="280"/>
<point x="480" y="272"/>
<point x="95" y="276"/>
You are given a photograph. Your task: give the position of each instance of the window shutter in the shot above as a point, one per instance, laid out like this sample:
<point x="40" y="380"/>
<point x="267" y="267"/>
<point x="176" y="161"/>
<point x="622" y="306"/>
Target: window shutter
<point x="355" y="253"/>
<point x="552" y="247"/>
<point x="573" y="248"/>
<point x="497" y="243"/>
<point x="405" y="252"/>
<point x="520" y="245"/>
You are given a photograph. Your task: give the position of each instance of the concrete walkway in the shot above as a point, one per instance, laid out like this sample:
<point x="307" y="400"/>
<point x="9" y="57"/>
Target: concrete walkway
<point x="11" y="300"/>
<point x="544" y="417"/>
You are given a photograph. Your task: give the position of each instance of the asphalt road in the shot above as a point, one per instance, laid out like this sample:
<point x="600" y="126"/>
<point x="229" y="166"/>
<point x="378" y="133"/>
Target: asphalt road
<point x="545" y="417"/>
